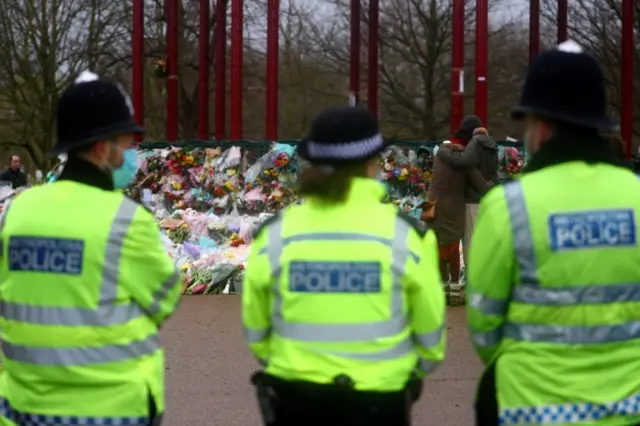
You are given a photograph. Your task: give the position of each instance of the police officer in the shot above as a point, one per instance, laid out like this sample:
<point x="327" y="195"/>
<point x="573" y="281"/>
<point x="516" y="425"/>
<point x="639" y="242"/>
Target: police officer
<point x="86" y="283"/>
<point x="342" y="299"/>
<point x="554" y="279"/>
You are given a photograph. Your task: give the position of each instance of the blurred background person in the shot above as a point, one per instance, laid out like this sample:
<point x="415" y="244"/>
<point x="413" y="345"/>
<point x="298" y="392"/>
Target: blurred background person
<point x="447" y="191"/>
<point x="14" y="173"/>
<point x="480" y="151"/>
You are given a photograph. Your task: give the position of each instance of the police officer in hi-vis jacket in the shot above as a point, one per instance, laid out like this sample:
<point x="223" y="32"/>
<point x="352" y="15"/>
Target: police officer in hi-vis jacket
<point x="342" y="300"/>
<point x="86" y="282"/>
<point x="554" y="277"/>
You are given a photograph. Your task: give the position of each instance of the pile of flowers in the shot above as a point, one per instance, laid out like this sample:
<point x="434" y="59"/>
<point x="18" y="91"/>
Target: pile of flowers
<point x="270" y="182"/>
<point x="406" y="172"/>
<point x="511" y="161"/>
<point x="211" y="180"/>
<point x="209" y="201"/>
<point x="210" y="250"/>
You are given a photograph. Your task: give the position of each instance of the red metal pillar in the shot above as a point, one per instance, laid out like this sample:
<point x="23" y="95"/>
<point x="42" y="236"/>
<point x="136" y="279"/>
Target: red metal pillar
<point x="273" y="58"/>
<point x="482" y="58"/>
<point x="563" y="14"/>
<point x="457" y="65"/>
<point x="534" y="29"/>
<point x="203" y="72"/>
<point x="220" y="64"/>
<point x="374" y="46"/>
<point x="171" y="7"/>
<point x="237" y="41"/>
<point x="354" y="76"/>
<point x="628" y="60"/>
<point x="137" y="63"/>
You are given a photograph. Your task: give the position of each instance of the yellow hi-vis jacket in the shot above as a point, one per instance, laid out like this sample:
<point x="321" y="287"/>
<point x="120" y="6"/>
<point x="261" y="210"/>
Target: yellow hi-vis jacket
<point x="554" y="296"/>
<point x="349" y="289"/>
<point x="86" y="283"/>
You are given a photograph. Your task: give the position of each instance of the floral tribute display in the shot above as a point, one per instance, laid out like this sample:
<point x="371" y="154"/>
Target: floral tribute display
<point x="511" y="161"/>
<point x="208" y="201"/>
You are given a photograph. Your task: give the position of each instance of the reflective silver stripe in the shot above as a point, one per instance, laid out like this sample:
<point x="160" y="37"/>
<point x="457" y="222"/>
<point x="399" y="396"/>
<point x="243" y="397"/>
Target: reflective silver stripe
<point x="107" y="312"/>
<point x="525" y="258"/>
<point x="340" y="332"/>
<point x="569" y="335"/>
<point x="274" y="252"/>
<point x="48" y="315"/>
<point x="522" y="240"/>
<point x="32" y="419"/>
<point x="87" y="355"/>
<point x="488" y="305"/>
<point x="3" y="220"/>
<point x="429" y="340"/>
<point x="405" y="347"/>
<point x="486" y="339"/>
<point x="573" y="335"/>
<point x="308" y="332"/>
<point x="571" y="296"/>
<point x="339" y="236"/>
<point x="113" y="253"/>
<point x="161" y="294"/>
<point x="255" y="336"/>
<point x="5" y="210"/>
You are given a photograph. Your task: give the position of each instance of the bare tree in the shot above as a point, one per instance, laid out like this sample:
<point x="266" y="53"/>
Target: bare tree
<point x="596" y="25"/>
<point x="45" y="44"/>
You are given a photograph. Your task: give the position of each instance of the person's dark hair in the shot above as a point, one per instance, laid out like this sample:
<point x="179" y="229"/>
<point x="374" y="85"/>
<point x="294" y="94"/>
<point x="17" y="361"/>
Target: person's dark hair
<point x="13" y="155"/>
<point x="329" y="183"/>
<point x="465" y="135"/>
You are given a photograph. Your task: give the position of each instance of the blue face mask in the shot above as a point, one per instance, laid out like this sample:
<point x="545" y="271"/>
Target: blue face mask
<point x="124" y="175"/>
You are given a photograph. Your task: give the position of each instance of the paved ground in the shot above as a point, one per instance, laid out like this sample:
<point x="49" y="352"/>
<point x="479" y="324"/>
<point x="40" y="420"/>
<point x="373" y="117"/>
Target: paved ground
<point x="208" y="369"/>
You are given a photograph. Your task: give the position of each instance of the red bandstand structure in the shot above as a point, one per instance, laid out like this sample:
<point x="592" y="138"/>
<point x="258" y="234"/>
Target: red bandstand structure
<point x="273" y="22"/>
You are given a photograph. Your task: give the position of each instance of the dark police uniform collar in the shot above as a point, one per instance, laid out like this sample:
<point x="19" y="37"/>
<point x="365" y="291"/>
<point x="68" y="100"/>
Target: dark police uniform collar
<point x="560" y="150"/>
<point x="82" y="171"/>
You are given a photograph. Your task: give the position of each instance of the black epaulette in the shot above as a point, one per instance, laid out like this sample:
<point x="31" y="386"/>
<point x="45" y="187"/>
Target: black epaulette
<point x="266" y="223"/>
<point x="420" y="228"/>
